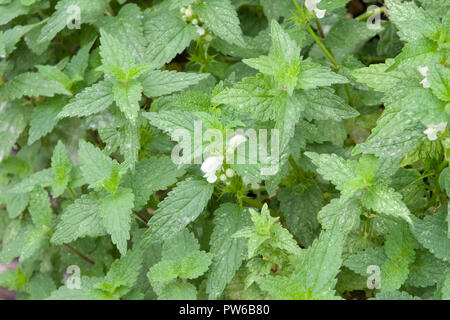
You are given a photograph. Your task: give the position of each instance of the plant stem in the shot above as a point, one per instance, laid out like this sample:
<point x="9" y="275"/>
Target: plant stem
<point x="141" y="218"/>
<point x="322" y="46"/>
<point x="109" y="9"/>
<point x="78" y="253"/>
<point x="253" y="202"/>
<point x="319" y="27"/>
<point x="371" y="13"/>
<point x="74" y="195"/>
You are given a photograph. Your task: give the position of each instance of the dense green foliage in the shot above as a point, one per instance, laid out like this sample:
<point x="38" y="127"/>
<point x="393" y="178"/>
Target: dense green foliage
<point x="89" y="114"/>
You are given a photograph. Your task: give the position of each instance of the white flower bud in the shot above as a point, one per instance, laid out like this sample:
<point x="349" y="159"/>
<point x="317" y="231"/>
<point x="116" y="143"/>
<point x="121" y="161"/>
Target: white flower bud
<point x="200" y="31"/>
<point x="189" y="12"/>
<point x="230" y="173"/>
<point x="433" y="130"/>
<point x="223" y="177"/>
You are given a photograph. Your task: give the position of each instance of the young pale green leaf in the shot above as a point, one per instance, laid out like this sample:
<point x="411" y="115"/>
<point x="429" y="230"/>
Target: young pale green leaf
<point x="334" y="168"/>
<point x="127" y="96"/>
<point x="116" y="59"/>
<point x="313" y="75"/>
<point x="95" y="166"/>
<point x="439" y="77"/>
<point x="195" y="264"/>
<point x="386" y="201"/>
<point x="62" y="165"/>
<point x="116" y="212"/>
<point x="346" y="213"/>
<point x="432" y="233"/>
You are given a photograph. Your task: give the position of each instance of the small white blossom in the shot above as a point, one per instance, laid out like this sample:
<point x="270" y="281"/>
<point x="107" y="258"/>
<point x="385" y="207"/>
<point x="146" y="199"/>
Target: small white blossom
<point x="183" y="10"/>
<point x="424" y="72"/>
<point x="195" y="22"/>
<point x="210" y="166"/>
<point x="312" y="6"/>
<point x="434" y="129"/>
<point x="230" y="173"/>
<point x="223" y="177"/>
<point x="200" y="31"/>
<point x="189" y="12"/>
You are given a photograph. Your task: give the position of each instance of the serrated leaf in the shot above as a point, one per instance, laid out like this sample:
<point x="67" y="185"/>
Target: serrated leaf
<point x="116" y="212"/>
<point x="345" y="212"/>
<point x="150" y="175"/>
<point x="90" y="101"/>
<point x="62" y="165"/>
<point x="182" y="206"/>
<point x="44" y="119"/>
<point x="127" y="96"/>
<point x="221" y="17"/>
<point x="80" y="219"/>
<point x="168" y="36"/>
<point x="157" y="83"/>
<point x="385" y="200"/>
<point x="228" y="252"/>
<point x="33" y="85"/>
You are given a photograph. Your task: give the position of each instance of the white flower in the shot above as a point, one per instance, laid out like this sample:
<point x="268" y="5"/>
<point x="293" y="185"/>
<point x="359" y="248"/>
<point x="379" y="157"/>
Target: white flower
<point x="223" y="177"/>
<point x="200" y="31"/>
<point x="210" y="166"/>
<point x="189" y="12"/>
<point x="434" y="129"/>
<point x="312" y="6"/>
<point x="194" y="22"/>
<point x="230" y="173"/>
<point x="183" y="10"/>
<point x="424" y="72"/>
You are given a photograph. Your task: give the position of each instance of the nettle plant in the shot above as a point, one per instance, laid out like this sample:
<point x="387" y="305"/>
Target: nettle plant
<point x="112" y="190"/>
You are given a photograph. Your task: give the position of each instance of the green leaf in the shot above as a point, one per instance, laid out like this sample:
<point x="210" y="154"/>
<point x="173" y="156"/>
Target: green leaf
<point x="127" y="96"/>
<point x="33" y="85"/>
<point x="439" y="77"/>
<point x="221" y="17"/>
<point x="432" y="233"/>
<point x="44" y="119"/>
<point x="178" y="290"/>
<point x="426" y="270"/>
<point x="385" y="200"/>
<point x="228" y="252"/>
<point x="317" y="274"/>
<point x="182" y="206"/>
<point x="300" y="211"/>
<point x="346" y="213"/>
<point x="313" y="75"/>
<point x="195" y="264"/>
<point x="150" y="175"/>
<point x="323" y="104"/>
<point x="12" y="10"/>
<point x="62" y="166"/>
<point x="116" y="212"/>
<point x="90" y="10"/>
<point x="12" y="123"/>
<point x="411" y="29"/>
<point x="90" y="101"/>
<point x="116" y="59"/>
<point x="159" y="83"/>
<point x="164" y="271"/>
<point x="168" y="36"/>
<point x="124" y="272"/>
<point x="360" y="261"/>
<point x="80" y="219"/>
<point x="399" y="249"/>
<point x="334" y="168"/>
